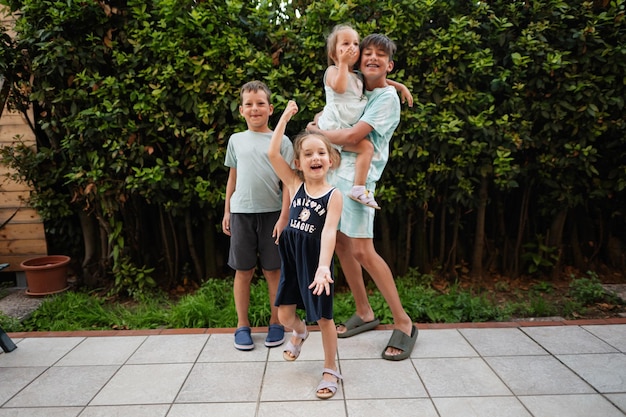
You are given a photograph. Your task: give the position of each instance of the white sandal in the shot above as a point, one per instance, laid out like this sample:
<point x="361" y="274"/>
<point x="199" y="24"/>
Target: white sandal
<point x="295" y="349"/>
<point x="366" y="198"/>
<point x="331" y="386"/>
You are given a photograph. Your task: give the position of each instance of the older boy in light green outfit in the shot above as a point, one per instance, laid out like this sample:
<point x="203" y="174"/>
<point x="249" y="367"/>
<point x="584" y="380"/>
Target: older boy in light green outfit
<point x="355" y="244"/>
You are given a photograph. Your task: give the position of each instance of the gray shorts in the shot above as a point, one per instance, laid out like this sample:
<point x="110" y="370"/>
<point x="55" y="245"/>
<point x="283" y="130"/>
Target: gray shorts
<point x="251" y="240"/>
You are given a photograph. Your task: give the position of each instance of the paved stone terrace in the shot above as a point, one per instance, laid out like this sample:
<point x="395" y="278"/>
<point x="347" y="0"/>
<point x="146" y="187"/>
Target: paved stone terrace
<point x="521" y="369"/>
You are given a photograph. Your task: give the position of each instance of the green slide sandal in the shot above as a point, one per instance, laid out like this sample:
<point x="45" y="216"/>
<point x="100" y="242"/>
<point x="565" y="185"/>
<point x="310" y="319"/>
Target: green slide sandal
<point x="356" y="325"/>
<point x="400" y="340"/>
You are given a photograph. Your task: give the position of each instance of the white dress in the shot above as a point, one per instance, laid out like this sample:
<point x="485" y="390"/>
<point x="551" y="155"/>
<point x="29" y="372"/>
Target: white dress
<point x="343" y="110"/>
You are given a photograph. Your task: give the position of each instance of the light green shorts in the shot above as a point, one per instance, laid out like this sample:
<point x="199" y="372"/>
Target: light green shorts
<point x="357" y="220"/>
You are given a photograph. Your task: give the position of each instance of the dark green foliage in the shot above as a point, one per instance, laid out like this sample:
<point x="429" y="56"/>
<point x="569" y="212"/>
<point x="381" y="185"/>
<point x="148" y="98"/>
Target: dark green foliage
<point x="424" y="304"/>
<point x="212" y="305"/>
<point x="588" y="290"/>
<point x="517" y="137"/>
<point x="82" y="311"/>
<point x="71" y="311"/>
<point x="10" y="324"/>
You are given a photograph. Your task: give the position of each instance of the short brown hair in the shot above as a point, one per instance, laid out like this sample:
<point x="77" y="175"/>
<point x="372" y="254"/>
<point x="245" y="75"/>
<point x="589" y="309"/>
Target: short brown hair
<point x="254" y="86"/>
<point x="380" y="41"/>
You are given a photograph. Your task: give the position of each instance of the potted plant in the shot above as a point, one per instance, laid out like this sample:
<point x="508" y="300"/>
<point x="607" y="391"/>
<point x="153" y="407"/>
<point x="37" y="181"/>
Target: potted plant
<point x="46" y="274"/>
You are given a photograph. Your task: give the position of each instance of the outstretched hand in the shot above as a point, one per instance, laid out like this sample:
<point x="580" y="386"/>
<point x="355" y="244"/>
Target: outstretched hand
<point x="322" y="281"/>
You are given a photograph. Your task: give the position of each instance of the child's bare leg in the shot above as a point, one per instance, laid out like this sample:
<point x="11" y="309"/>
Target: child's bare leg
<point x="241" y="290"/>
<point x="365" y="152"/>
<point x="275" y="331"/>
<point x="329" y="343"/>
<point x="272" y="278"/>
<point x="288" y="318"/>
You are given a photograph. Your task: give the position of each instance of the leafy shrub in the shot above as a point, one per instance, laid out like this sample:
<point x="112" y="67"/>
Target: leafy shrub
<point x="133" y="281"/>
<point x="212" y="306"/>
<point x="10" y="324"/>
<point x="82" y="311"/>
<point x="588" y="290"/>
<point x="425" y="304"/>
<point x="541" y="307"/>
<point x="70" y="311"/>
<point x="539" y="257"/>
<point x="543" y="287"/>
<point x="134" y="102"/>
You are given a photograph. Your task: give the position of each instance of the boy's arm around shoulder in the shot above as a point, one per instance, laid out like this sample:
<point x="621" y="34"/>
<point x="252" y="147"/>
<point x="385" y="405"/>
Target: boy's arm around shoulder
<point x="347" y="136"/>
<point x="405" y="93"/>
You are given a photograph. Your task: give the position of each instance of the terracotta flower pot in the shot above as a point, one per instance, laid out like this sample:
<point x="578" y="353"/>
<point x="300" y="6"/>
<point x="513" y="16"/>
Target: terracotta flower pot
<point x="46" y="274"/>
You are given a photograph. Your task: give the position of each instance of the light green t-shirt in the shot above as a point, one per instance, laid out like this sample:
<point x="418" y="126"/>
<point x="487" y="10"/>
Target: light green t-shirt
<point x="258" y="187"/>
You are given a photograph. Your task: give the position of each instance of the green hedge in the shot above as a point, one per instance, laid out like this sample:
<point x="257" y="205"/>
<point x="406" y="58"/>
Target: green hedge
<point x="512" y="159"/>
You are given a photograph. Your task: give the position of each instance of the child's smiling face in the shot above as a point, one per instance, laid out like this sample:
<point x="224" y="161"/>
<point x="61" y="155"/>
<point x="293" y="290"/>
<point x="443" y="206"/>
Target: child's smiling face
<point x="375" y="65"/>
<point x="256" y="109"/>
<point x="314" y="158"/>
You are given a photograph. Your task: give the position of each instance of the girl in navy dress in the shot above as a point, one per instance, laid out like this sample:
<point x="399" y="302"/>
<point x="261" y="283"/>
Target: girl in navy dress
<point x="307" y="244"/>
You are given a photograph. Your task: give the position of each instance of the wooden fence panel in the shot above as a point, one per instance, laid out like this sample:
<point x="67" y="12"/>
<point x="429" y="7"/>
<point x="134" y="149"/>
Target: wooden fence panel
<point x="23" y="236"/>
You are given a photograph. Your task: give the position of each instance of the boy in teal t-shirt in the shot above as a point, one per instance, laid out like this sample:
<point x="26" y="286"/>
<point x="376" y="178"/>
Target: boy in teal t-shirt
<point x="355" y="243"/>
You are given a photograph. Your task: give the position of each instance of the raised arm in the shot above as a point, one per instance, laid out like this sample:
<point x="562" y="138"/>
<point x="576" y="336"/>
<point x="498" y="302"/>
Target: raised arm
<point x="337" y="76"/>
<point x="282" y="167"/>
<point x="283" y="219"/>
